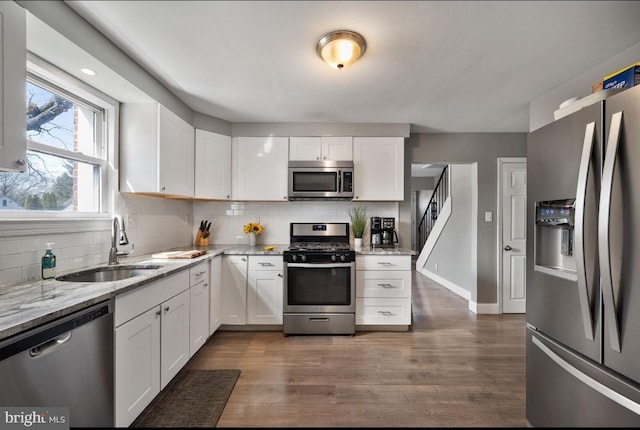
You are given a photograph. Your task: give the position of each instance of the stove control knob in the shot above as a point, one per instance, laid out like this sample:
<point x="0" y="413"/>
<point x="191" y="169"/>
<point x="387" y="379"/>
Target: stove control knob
<point x="333" y="258"/>
<point x="294" y="257"/>
<point x="343" y="257"/>
<point x="303" y="257"/>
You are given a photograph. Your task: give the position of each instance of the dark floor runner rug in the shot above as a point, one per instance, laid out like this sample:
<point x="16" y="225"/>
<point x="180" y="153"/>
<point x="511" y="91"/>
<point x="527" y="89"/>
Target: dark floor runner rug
<point x="195" y="398"/>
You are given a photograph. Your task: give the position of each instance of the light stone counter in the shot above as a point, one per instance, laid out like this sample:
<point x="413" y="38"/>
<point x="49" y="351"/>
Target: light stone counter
<point x="367" y="250"/>
<point x="27" y="305"/>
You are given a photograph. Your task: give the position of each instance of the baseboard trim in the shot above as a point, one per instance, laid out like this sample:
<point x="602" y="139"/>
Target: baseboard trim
<point x="447" y="284"/>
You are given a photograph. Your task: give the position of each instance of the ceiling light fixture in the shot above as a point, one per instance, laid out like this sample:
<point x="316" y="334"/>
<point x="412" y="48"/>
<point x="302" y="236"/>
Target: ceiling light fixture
<point x="88" y="71"/>
<point x="341" y="48"/>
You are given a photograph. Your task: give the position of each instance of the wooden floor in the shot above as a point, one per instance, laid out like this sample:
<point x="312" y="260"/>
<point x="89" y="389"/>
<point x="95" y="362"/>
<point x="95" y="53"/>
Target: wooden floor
<point x="452" y="369"/>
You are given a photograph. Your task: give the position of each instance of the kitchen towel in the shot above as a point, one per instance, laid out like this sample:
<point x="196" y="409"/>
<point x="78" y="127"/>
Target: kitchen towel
<point x="195" y="398"/>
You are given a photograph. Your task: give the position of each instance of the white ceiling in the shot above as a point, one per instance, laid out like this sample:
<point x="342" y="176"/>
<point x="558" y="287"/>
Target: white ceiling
<point x="442" y="66"/>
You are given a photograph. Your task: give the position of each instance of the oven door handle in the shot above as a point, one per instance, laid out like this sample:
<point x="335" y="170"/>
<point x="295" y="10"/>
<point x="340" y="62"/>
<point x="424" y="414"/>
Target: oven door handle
<point x="319" y="265"/>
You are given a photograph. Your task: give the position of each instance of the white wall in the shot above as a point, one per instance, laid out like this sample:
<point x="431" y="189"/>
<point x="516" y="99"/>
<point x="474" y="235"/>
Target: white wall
<point x="541" y="109"/>
<point x="276" y="217"/>
<point x="454" y="252"/>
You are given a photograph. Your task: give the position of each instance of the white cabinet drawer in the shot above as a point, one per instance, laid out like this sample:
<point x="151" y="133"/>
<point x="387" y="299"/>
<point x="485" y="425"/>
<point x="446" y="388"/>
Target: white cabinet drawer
<point x="383" y="311"/>
<point x="198" y="273"/>
<point x="383" y="262"/>
<point x="381" y="283"/>
<point x="135" y="302"/>
<point x="269" y="262"/>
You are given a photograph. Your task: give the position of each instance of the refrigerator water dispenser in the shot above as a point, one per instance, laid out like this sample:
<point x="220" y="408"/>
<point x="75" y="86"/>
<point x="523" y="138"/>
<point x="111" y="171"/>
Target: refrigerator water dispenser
<point x="553" y="241"/>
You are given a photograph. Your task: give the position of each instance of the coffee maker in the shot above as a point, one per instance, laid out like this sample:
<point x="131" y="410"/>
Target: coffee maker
<point x="375" y="228"/>
<point x="389" y="234"/>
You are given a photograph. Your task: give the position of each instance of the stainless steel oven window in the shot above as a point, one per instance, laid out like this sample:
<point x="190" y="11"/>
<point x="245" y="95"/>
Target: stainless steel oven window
<point x="319" y="287"/>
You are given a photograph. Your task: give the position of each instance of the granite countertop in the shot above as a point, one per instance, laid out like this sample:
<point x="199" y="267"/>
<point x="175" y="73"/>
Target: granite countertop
<point x="27" y="305"/>
<point x="368" y="250"/>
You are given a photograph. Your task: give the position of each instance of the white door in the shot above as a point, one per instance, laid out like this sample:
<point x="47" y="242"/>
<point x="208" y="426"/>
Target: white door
<point x="137" y="365"/>
<point x="174" y="337"/>
<point x="260" y="168"/>
<point x="514" y="235"/>
<point x="264" y="297"/>
<point x="234" y="289"/>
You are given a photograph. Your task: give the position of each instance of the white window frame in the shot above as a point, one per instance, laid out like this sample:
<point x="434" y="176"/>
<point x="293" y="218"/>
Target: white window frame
<point x="17" y="223"/>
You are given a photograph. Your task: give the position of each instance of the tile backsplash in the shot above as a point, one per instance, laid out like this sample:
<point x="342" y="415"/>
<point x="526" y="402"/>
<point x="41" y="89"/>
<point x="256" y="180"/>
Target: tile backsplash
<point x="162" y="224"/>
<point x="228" y="218"/>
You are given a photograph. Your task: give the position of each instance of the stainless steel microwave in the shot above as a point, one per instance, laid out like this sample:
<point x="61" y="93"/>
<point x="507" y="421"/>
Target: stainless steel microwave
<point x="324" y="180"/>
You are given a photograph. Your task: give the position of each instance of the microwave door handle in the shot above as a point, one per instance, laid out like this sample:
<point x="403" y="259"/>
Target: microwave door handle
<point x="339" y="189"/>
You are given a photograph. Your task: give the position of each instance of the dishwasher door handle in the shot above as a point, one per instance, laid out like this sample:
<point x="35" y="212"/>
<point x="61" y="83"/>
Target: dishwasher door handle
<point x="50" y="345"/>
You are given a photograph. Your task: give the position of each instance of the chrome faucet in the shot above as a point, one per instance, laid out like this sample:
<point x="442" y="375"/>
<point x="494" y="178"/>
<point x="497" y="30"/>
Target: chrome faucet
<point x="117" y="229"/>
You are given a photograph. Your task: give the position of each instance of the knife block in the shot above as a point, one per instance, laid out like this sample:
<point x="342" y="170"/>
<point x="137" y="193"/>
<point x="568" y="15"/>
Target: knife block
<point x="202" y="239"/>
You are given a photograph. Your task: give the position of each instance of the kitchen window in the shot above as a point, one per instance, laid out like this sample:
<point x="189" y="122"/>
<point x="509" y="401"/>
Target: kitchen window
<point x="68" y="150"/>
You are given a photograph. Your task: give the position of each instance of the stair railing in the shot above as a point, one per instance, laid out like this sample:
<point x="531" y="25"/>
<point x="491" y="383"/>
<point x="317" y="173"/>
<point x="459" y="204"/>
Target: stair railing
<point x="439" y="196"/>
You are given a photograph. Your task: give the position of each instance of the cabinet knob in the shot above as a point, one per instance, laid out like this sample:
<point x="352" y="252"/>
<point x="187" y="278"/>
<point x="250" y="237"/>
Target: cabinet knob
<point x="158" y="313"/>
<point x="243" y="259"/>
<point x="317" y="158"/>
<point x="163" y="188"/>
<point x="228" y="196"/>
<point x="166" y="309"/>
<point x="21" y="162"/>
<point x="205" y="285"/>
<point x="279" y="275"/>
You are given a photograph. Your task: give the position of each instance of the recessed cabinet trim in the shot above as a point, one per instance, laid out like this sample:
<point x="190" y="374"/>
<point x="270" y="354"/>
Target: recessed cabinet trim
<point x="13" y="121"/>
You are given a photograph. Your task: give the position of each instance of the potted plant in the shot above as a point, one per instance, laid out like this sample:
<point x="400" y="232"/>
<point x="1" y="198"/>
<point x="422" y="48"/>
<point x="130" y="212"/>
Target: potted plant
<point x="358" y="217"/>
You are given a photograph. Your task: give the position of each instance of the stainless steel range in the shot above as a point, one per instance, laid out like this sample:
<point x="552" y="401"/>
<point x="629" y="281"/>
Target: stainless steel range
<point x="319" y="280"/>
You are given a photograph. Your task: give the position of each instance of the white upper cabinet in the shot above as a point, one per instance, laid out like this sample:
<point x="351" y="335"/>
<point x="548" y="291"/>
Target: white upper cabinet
<point x="156" y="151"/>
<point x="378" y="168"/>
<point x="213" y="166"/>
<point x="260" y="167"/>
<point x="13" y="70"/>
<point x="321" y="148"/>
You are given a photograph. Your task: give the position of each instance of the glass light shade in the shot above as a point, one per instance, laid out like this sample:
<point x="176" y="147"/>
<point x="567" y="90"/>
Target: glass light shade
<point x="341" y="48"/>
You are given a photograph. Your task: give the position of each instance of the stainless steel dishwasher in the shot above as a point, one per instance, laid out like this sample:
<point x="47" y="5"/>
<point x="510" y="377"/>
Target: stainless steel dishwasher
<point x="65" y="363"/>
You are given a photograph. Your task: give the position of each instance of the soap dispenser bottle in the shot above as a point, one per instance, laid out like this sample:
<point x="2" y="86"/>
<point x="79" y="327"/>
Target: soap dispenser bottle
<point x="49" y="263"/>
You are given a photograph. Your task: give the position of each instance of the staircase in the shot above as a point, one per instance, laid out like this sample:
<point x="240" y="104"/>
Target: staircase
<point x="436" y="203"/>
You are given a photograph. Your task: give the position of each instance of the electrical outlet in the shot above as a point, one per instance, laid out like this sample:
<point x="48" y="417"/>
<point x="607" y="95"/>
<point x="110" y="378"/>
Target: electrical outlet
<point x="132" y="221"/>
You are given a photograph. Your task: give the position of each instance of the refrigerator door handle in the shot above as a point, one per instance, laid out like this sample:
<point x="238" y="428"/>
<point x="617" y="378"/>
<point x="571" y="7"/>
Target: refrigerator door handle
<point x="585" y="379"/>
<point x="604" y="216"/>
<point x="583" y="283"/>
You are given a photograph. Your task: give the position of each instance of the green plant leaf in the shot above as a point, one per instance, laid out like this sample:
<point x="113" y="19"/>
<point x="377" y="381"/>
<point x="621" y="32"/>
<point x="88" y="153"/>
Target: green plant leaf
<point x="358" y="217"/>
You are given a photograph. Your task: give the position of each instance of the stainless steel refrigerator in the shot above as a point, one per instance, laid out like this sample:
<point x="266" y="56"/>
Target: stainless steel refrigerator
<point x="583" y="267"/>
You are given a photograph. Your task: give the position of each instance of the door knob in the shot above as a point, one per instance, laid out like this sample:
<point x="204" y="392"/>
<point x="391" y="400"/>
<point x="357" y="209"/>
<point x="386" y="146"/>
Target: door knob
<point x="508" y="248"/>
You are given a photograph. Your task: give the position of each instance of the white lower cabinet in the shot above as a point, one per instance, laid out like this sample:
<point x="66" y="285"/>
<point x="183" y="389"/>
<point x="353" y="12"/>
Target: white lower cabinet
<point x="174" y="337"/>
<point x="383" y="290"/>
<point x="234" y="289"/>
<point x="137" y="365"/>
<point x="215" y="294"/>
<point x="252" y="289"/>
<point x="151" y="342"/>
<point x="264" y="290"/>
<point x="199" y="306"/>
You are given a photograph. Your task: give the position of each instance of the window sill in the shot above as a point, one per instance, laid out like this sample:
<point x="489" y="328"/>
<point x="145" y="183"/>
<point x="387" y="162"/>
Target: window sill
<point x="10" y="227"/>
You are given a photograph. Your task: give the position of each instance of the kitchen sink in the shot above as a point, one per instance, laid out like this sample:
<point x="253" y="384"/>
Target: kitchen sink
<point x="109" y="273"/>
